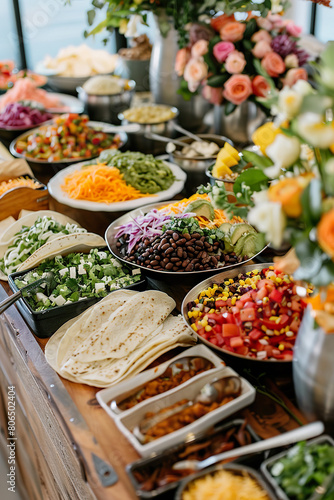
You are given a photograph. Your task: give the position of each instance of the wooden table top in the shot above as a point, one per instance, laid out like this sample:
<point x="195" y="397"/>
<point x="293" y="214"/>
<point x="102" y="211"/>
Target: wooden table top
<point x="91" y="429"/>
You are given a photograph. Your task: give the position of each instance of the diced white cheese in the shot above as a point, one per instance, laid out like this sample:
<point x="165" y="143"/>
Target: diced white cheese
<point x="102" y="255"/>
<point x="63" y="271"/>
<point x="41" y="297"/>
<point x="116" y="263"/>
<point x="52" y="298"/>
<point x="35" y="275"/>
<point x="261" y="355"/>
<point x="106" y="279"/>
<point x="73" y="272"/>
<point x="81" y="269"/>
<point x="135" y="271"/>
<point x="99" y="287"/>
<point x="42" y="285"/>
<point x="60" y="301"/>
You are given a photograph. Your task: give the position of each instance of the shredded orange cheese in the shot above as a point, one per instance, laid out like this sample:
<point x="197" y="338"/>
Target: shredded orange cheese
<point x="100" y="184"/>
<point x="220" y="217"/>
<point x="18" y="182"/>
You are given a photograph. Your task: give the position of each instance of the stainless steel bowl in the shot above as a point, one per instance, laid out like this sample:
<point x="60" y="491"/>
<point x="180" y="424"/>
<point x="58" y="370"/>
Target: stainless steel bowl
<point x="227" y="183"/>
<point x="106" y="108"/>
<point x="196" y="167"/>
<point x="220" y="278"/>
<point x="139" y="142"/>
<point x="110" y="237"/>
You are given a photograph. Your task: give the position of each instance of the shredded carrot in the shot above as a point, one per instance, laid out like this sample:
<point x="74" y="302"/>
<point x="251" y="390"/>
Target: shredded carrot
<point x="100" y="184"/>
<point x="220" y="217"/>
<point x="18" y="182"/>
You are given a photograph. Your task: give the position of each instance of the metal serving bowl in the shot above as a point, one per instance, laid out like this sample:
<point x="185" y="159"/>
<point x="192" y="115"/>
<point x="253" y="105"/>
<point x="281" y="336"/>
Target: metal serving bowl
<point x="227" y="183"/>
<point x="196" y="167"/>
<point x="139" y="142"/>
<point x="110" y="237"/>
<point x="107" y="107"/>
<point x="220" y="278"/>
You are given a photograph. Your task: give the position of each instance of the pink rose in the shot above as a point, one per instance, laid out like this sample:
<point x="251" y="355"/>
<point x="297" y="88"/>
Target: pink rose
<point x="293" y="29"/>
<point x="232" y="31"/>
<point x="293" y="75"/>
<point x="291" y="61"/>
<point x="261" y="35"/>
<point x="221" y="50"/>
<point x="273" y="64"/>
<point x="261" y="49"/>
<point x="213" y="94"/>
<point x="235" y="62"/>
<point x="182" y="58"/>
<point x="200" y="48"/>
<point x="237" y="89"/>
<point x="277" y="21"/>
<point x="260" y="86"/>
<point x="195" y="71"/>
<point x="264" y="23"/>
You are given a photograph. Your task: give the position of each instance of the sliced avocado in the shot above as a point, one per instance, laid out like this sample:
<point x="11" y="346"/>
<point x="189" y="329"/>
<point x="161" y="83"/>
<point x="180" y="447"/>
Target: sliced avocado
<point x="228" y="247"/>
<point x="239" y="246"/>
<point x="240" y="229"/>
<point x="249" y="246"/>
<point x="201" y="207"/>
<point x="225" y="227"/>
<point x="260" y="242"/>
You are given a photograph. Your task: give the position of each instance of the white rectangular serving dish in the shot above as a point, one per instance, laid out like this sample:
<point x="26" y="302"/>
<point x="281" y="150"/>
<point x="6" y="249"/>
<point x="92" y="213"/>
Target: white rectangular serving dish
<point x="128" y="419"/>
<point x="120" y="391"/>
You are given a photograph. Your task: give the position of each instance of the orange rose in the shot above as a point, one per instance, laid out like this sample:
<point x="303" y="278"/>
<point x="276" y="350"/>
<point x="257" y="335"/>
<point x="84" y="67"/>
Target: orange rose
<point x="288" y="192"/>
<point x="237" y="89"/>
<point x="218" y="22"/>
<point x="260" y="86"/>
<point x="293" y="75"/>
<point x="273" y="64"/>
<point x="325" y="232"/>
<point x="182" y="58"/>
<point x="232" y="31"/>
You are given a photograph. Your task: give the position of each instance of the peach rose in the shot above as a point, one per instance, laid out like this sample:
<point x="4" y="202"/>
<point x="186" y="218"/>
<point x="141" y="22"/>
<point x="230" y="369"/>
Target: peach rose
<point x="232" y="31"/>
<point x="261" y="48"/>
<point x="277" y="21"/>
<point x="235" y="62"/>
<point x="200" y="48"/>
<point x="293" y="75"/>
<point x="218" y="22"/>
<point x="237" y="89"/>
<point x="221" y="50"/>
<point x="260" y="86"/>
<point x="273" y="64"/>
<point x="261" y="35"/>
<point x="293" y="29"/>
<point x="195" y="71"/>
<point x="182" y="58"/>
<point x="291" y="61"/>
<point x="213" y="94"/>
<point x="264" y="23"/>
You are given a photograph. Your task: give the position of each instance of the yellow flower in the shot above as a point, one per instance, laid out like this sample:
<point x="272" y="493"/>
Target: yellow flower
<point x="288" y="192"/>
<point x="265" y="135"/>
<point x="123" y="25"/>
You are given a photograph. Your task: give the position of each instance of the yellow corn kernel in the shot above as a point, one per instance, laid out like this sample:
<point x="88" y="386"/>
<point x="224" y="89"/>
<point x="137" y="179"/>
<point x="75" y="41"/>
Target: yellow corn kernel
<point x="226" y="282"/>
<point x="211" y="311"/>
<point x="286" y="329"/>
<point x="278" y="280"/>
<point x="195" y="314"/>
<point x="204" y="323"/>
<point x="281" y="347"/>
<point x="259" y="309"/>
<point x="271" y="268"/>
<point x="194" y="327"/>
<point x="309" y="290"/>
<point x="253" y="350"/>
<point x="225" y="294"/>
<point x="264" y="328"/>
<point x="224" y="298"/>
<point x="233" y="301"/>
<point x="196" y="301"/>
<point x="265" y="300"/>
<point x="248" y="281"/>
<point x="276" y="332"/>
<point x="215" y="285"/>
<point x="208" y="328"/>
<point x="242" y="283"/>
<point x="231" y="281"/>
<point x="273" y="318"/>
<point x="266" y="337"/>
<point x="190" y="314"/>
<point x="256" y="271"/>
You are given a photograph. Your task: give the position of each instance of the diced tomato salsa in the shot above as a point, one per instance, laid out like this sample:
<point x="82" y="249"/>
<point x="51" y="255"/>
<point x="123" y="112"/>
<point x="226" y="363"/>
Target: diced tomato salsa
<point x="256" y="314"/>
<point x="69" y="136"/>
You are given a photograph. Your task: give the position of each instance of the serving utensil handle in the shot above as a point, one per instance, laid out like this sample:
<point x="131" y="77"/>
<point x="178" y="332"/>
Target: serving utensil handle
<point x="9" y="301"/>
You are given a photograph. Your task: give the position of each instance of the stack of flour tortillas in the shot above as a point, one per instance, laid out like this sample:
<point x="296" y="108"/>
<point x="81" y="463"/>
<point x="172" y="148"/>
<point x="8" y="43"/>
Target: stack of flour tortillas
<point x="117" y="338"/>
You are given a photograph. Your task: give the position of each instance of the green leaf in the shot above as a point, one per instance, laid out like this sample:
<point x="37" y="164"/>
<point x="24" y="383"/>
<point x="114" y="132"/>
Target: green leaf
<point x="247" y="44"/>
<point x="229" y="108"/>
<point x="185" y="92"/>
<point x="254" y="178"/>
<point x="91" y="16"/>
<point x="100" y="27"/>
<point x="256" y="160"/>
<point x="210" y="61"/>
<point x="251" y="27"/>
<point x="261" y="71"/>
<point x="310" y="257"/>
<point x="213" y="42"/>
<point x="217" y="81"/>
<point x="316" y="103"/>
<point x="98" y="4"/>
<point x="311" y="200"/>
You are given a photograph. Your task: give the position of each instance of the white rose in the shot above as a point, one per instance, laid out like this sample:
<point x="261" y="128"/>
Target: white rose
<point x="131" y="30"/>
<point x="303" y="88"/>
<point x="315" y="132"/>
<point x="268" y="218"/>
<point x="284" y="152"/>
<point x="291" y="61"/>
<point x="289" y="102"/>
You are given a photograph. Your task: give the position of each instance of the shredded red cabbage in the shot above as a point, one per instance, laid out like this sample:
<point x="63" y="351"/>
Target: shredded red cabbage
<point x="145" y="226"/>
<point x="17" y="115"/>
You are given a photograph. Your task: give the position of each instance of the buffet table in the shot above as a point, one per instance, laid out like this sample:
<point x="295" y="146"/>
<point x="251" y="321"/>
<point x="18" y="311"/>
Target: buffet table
<point x="65" y="440"/>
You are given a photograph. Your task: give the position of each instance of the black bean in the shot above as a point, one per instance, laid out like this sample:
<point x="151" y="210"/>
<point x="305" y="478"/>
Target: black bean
<point x="196" y="235"/>
<point x="227" y="258"/>
<point x="169" y="250"/>
<point x="164" y="241"/>
<point x="190" y="249"/>
<point x="190" y="242"/>
<point x="189" y="268"/>
<point x="173" y="245"/>
<point x="158" y="257"/>
<point x="197" y="266"/>
<point x="169" y="266"/>
<point x="179" y="252"/>
<point x="155" y="246"/>
<point x="185" y="263"/>
<point x="151" y="250"/>
<point x="185" y="255"/>
<point x="199" y="243"/>
<point x="154" y="262"/>
<point x="175" y="236"/>
<point x="181" y="242"/>
<point x="187" y="236"/>
<point x="206" y="244"/>
<point x="166" y="260"/>
<point x="149" y="266"/>
<point x="147" y="261"/>
<point x="169" y="231"/>
<point x="156" y="267"/>
<point x="174" y="259"/>
<point x="165" y="246"/>
<point x="214" y="260"/>
<point x="178" y="264"/>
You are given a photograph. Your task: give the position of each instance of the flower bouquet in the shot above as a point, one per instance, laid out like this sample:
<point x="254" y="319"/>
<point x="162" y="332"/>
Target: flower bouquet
<point x="242" y="60"/>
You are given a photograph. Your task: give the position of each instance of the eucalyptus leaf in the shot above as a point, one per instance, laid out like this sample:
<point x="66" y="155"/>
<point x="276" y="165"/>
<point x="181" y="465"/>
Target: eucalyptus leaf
<point x="229" y="108"/>
<point x="217" y="81"/>
<point x="256" y="160"/>
<point x="91" y="16"/>
<point x="311" y="200"/>
<point x="310" y="257"/>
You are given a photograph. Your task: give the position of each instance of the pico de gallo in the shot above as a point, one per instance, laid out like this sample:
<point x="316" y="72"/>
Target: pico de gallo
<point x="67" y="137"/>
<point x="256" y="314"/>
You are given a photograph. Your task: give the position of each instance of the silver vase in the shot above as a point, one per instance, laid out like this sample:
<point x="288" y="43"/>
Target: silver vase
<point x="164" y="82"/>
<point x="313" y="371"/>
<point x="240" y="124"/>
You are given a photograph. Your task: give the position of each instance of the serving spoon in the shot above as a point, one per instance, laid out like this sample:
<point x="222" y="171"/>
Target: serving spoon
<point x="211" y="392"/>
<point x="48" y="278"/>
<point x="195" y="137"/>
<point x="305" y="432"/>
<point x="181" y="364"/>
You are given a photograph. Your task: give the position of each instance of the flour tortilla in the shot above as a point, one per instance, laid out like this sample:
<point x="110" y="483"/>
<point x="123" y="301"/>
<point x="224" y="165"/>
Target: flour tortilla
<point x="127" y="327"/>
<point x="70" y="336"/>
<point x="111" y="371"/>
